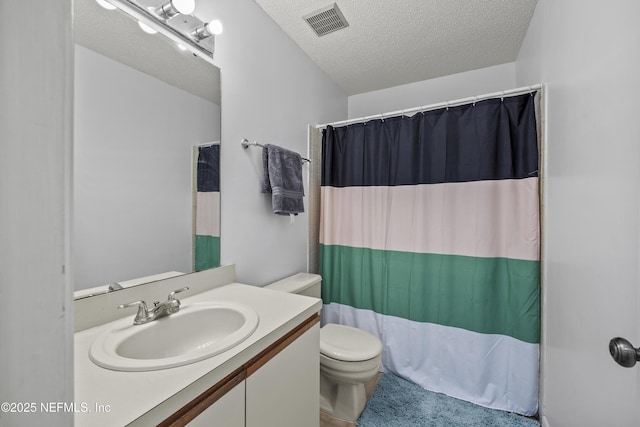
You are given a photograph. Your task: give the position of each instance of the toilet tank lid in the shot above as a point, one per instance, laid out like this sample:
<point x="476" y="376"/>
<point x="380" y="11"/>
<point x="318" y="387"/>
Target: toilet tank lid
<point x="296" y="283"/>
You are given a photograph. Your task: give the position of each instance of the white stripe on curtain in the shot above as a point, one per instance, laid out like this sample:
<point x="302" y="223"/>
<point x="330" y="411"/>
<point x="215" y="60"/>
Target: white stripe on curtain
<point x="425" y="353"/>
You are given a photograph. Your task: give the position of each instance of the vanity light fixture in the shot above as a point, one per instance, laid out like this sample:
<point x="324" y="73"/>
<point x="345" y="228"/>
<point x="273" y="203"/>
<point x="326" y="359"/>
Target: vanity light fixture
<point x="175" y="7"/>
<point x="106" y="4"/>
<point x="212" y="28"/>
<point x="187" y="31"/>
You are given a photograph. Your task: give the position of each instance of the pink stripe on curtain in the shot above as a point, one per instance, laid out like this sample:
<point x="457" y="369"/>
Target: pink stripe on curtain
<point x="207" y="213"/>
<point x="481" y="219"/>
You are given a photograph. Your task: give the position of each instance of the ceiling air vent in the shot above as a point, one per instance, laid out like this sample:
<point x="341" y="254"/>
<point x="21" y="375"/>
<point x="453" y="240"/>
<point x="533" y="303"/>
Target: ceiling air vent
<point x="326" y="20"/>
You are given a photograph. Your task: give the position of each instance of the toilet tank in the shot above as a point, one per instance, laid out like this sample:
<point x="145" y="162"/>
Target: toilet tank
<point x="302" y="283"/>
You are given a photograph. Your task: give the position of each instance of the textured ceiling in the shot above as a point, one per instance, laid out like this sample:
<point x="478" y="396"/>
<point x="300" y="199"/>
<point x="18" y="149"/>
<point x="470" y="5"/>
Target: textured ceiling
<point x="394" y="42"/>
<point x="387" y="43"/>
<point x="117" y="36"/>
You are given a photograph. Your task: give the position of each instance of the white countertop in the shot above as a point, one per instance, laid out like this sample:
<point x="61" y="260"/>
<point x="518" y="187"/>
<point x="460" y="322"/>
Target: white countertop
<point x="113" y="398"/>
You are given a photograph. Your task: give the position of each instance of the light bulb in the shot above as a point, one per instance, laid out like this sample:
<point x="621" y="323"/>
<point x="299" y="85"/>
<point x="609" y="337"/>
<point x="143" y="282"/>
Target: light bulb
<point x="186" y="7"/>
<point x="106" y="4"/>
<point x="215" y="27"/>
<point x="147" y="29"/>
<point x="175" y="7"/>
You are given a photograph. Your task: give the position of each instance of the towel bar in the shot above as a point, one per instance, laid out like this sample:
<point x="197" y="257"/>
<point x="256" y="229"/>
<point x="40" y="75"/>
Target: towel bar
<point x="246" y="143"/>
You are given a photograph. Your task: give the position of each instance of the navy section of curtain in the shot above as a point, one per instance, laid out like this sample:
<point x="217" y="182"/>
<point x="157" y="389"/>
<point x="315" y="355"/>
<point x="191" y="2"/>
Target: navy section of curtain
<point x="493" y="139"/>
<point x="429" y="238"/>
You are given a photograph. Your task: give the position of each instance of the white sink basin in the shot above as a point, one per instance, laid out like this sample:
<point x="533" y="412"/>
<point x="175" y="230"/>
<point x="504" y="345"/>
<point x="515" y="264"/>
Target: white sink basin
<point x="196" y="332"/>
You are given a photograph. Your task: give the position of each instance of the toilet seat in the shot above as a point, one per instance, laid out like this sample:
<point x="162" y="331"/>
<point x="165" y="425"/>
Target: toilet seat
<point x="361" y="370"/>
<point x="344" y="343"/>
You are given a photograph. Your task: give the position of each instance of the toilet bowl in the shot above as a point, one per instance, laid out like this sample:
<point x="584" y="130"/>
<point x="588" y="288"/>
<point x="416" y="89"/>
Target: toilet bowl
<point x="349" y="357"/>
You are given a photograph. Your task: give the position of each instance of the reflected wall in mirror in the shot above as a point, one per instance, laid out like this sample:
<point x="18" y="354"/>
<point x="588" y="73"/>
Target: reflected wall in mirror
<point x="141" y="105"/>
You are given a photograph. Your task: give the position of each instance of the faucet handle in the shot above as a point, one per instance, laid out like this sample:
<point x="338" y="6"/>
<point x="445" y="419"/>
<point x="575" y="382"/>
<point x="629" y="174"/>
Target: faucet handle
<point x="177" y="291"/>
<point x="143" y="311"/>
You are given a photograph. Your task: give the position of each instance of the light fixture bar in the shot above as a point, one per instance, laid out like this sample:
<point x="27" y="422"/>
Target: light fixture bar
<point x="163" y="28"/>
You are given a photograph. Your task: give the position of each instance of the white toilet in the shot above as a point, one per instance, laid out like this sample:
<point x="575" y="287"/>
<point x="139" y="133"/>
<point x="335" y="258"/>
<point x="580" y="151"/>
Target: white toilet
<point x="349" y="357"/>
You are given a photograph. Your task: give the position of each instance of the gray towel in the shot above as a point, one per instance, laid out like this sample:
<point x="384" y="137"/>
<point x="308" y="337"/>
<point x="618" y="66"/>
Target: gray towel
<point x="283" y="179"/>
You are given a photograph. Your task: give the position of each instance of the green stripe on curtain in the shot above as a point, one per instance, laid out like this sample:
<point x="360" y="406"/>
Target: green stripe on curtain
<point x="484" y="295"/>
<point x="207" y="252"/>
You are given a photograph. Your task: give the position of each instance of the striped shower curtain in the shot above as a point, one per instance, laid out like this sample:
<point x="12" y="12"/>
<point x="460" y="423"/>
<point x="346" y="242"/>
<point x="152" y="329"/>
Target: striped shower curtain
<point x="429" y="239"/>
<point x="207" y="209"/>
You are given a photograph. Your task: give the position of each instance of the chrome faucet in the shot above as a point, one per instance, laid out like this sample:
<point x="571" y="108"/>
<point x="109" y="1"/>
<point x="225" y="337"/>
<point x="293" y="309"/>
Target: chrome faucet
<point x="115" y="287"/>
<point x="159" y="309"/>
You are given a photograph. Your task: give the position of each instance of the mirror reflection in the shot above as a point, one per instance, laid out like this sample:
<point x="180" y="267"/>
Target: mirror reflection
<point x="144" y="112"/>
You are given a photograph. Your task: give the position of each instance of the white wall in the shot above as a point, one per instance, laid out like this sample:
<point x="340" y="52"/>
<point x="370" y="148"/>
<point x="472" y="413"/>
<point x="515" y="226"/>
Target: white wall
<point x="586" y="53"/>
<point x="36" y="318"/>
<point x="270" y="91"/>
<point x="441" y="89"/>
<point x="133" y="138"/>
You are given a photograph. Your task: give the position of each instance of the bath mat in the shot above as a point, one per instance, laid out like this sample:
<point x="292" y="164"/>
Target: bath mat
<point x="397" y="402"/>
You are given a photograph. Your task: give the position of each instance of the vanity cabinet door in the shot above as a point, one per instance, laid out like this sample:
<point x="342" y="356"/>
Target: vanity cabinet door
<point x="283" y="390"/>
<point x="228" y="411"/>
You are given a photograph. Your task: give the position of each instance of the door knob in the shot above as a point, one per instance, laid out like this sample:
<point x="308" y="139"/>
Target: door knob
<point x="623" y="352"/>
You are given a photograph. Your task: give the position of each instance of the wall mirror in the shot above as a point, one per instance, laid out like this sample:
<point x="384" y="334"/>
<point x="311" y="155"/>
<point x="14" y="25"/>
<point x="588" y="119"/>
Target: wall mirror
<point x="142" y="107"/>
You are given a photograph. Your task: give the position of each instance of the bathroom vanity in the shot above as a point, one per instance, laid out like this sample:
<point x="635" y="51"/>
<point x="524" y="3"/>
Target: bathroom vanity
<point x="269" y="379"/>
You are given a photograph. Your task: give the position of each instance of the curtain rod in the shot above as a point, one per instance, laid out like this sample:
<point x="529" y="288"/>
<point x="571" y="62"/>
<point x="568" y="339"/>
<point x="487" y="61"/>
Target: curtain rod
<point x="246" y="143"/>
<point x="454" y="103"/>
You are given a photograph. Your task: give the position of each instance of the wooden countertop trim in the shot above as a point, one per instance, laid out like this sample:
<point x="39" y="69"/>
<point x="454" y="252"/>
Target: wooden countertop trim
<point x="194" y="408"/>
